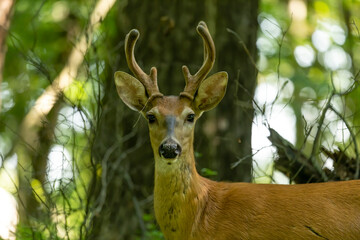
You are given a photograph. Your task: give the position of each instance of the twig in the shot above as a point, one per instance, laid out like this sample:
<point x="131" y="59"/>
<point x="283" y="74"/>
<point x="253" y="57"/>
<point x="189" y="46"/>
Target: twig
<point x="138" y="211"/>
<point x="280" y="44"/>
<point x="240" y="160"/>
<point x="316" y="143"/>
<point x="354" y="141"/>
<point x="44" y="105"/>
<point x="242" y="43"/>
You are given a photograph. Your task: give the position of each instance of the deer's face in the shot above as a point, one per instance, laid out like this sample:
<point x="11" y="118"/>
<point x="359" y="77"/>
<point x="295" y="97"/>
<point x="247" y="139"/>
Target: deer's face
<point x="171" y="125"/>
<point x="171" y="119"/>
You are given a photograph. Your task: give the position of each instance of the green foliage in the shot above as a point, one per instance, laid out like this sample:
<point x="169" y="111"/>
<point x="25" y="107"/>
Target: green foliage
<point x="152" y="231"/>
<point x="206" y="172"/>
<point x="41" y="231"/>
<point x="311" y="47"/>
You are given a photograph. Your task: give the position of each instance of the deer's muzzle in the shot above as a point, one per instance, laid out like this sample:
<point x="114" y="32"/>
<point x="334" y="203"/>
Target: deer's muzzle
<point x="169" y="149"/>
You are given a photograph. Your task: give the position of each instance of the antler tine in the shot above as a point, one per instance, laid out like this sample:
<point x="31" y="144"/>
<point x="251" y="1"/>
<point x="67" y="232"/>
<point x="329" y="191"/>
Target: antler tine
<point x="149" y="81"/>
<point x="205" y="45"/>
<point x="193" y="81"/>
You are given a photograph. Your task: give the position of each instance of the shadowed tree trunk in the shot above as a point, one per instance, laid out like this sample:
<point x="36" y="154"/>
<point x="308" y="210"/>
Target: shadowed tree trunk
<point x="165" y="42"/>
<point x="236" y="55"/>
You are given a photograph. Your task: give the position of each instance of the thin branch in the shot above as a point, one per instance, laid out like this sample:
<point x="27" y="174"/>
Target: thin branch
<point x="242" y="43"/>
<point x="353" y="136"/>
<point x="138" y="210"/>
<point x="47" y="102"/>
<point x="316" y="143"/>
<point x="249" y="156"/>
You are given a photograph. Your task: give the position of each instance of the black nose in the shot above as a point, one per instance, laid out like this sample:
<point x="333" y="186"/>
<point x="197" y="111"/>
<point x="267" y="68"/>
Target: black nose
<point x="169" y="149"/>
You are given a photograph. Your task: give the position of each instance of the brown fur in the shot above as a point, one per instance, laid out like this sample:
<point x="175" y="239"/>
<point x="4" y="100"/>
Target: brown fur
<point x="190" y="207"/>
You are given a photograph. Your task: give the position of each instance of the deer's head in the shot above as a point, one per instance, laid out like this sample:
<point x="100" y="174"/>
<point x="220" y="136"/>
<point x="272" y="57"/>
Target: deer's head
<point x="171" y="119"/>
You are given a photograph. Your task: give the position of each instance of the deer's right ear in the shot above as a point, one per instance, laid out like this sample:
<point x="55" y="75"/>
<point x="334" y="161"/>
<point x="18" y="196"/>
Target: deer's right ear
<point x="131" y="91"/>
<point x="211" y="91"/>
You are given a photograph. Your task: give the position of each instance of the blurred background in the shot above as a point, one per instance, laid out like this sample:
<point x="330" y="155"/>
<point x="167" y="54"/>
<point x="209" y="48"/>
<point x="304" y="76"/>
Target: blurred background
<point x="76" y="163"/>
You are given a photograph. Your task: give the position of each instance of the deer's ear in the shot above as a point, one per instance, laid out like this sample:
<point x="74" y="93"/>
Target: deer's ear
<point x="131" y="91"/>
<point x="211" y="91"/>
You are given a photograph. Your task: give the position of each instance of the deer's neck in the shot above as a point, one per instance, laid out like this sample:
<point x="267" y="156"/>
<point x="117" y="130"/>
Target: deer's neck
<point x="179" y="196"/>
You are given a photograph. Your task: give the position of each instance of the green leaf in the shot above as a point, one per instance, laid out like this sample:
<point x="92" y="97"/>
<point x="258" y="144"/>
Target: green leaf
<point x="206" y="172"/>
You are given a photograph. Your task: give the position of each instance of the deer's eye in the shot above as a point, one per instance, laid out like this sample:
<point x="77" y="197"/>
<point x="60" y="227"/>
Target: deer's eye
<point x="151" y="118"/>
<point x="190" y="117"/>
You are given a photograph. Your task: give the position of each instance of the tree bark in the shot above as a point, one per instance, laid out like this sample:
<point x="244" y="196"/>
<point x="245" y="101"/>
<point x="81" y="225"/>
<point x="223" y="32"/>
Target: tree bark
<point x="236" y="55"/>
<point x="124" y="192"/>
<point x="168" y="40"/>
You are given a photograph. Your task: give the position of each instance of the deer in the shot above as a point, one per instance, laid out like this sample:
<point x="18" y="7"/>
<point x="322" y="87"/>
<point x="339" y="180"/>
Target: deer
<point x="188" y="206"/>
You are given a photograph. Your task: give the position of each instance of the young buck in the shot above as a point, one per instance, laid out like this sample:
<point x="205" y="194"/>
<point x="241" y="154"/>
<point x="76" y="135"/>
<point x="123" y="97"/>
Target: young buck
<point x="188" y="206"/>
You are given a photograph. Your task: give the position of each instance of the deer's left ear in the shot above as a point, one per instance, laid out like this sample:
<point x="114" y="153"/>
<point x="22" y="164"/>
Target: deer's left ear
<point x="211" y="91"/>
<point x="131" y="91"/>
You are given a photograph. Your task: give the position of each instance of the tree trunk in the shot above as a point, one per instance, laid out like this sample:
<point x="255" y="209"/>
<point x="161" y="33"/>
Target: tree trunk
<point x="236" y="55"/>
<point x="168" y="40"/>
